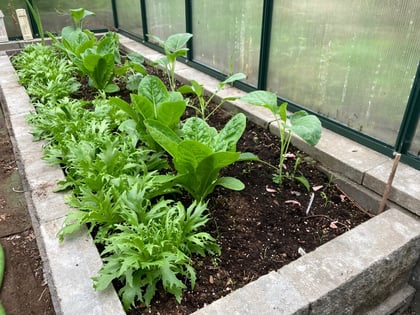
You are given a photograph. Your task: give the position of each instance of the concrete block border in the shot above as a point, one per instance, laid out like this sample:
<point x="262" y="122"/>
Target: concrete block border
<point x="361" y="271"/>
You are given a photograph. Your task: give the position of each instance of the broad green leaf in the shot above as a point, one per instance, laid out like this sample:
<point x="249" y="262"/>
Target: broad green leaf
<point x="136" y="57"/>
<point x="262" y="98"/>
<point x="163" y="62"/>
<point x="175" y="96"/>
<point x="197" y="88"/>
<point x="234" y="77"/>
<point x="164" y="136"/>
<point x="208" y="172"/>
<point x="282" y="112"/>
<point x="143" y="106"/>
<point x="80" y="14"/>
<point x="186" y="89"/>
<point x="124" y="106"/>
<point x="308" y="127"/>
<point x="177" y="41"/>
<point x="230" y="183"/>
<point x="231" y="133"/>
<point x="99" y="68"/>
<point x="112" y="88"/>
<point x="197" y="129"/>
<point x="179" y="53"/>
<point x="190" y="154"/>
<point x="107" y="44"/>
<point x="248" y="156"/>
<point x="154" y="89"/>
<point x="170" y="113"/>
<point x="217" y="161"/>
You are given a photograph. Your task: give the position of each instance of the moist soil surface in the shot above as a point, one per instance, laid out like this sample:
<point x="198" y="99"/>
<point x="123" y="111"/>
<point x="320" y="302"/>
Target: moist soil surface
<point x="266" y="225"/>
<point x="259" y="229"/>
<point x="24" y="289"/>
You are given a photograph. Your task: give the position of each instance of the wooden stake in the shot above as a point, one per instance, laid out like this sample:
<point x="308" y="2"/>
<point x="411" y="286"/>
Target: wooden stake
<point x="389" y="183"/>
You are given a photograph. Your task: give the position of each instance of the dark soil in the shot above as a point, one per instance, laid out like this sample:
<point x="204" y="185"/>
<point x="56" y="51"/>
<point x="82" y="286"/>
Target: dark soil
<point x="24" y="289"/>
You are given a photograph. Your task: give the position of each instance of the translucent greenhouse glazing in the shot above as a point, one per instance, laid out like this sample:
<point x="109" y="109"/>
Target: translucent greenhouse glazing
<point x="351" y="62"/>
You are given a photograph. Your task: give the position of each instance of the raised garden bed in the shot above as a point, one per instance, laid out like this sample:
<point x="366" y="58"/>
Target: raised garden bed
<point x="53" y="220"/>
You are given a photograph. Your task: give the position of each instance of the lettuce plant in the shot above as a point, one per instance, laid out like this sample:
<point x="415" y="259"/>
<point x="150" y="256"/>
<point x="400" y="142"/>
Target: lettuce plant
<point x="98" y="63"/>
<point x="308" y="127"/>
<point x="200" y="152"/>
<point x="153" y="101"/>
<point x="47" y="75"/>
<point x="94" y="58"/>
<point x="154" y="245"/>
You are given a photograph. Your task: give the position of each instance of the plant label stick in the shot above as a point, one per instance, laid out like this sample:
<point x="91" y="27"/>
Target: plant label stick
<point x="389" y="183"/>
<point x="25" y="28"/>
<point x="3" y="33"/>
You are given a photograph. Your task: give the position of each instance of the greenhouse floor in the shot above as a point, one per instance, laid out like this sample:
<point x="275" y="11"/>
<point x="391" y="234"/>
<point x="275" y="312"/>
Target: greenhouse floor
<point x="368" y="265"/>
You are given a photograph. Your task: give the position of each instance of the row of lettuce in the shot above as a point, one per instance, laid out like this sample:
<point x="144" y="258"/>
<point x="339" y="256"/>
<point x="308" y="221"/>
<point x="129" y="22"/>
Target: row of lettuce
<point x="126" y="162"/>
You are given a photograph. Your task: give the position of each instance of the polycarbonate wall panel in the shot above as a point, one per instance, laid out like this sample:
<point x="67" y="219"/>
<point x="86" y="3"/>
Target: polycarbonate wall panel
<point x="129" y="16"/>
<point x="55" y="14"/>
<point x="415" y="145"/>
<point x="9" y="10"/>
<point x="165" y="18"/>
<point x="227" y="35"/>
<point x="353" y="61"/>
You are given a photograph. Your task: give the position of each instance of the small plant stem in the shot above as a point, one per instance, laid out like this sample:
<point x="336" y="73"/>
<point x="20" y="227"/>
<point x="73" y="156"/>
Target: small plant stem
<point x="282" y="148"/>
<point x="268" y="164"/>
<point x="213" y="111"/>
<point x="172" y="75"/>
<point x="356" y="204"/>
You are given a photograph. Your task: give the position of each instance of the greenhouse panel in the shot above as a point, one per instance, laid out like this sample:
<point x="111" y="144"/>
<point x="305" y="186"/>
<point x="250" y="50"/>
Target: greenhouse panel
<point x="55" y="14"/>
<point x="129" y="16"/>
<point x="165" y="18"/>
<point x="9" y="10"/>
<point x="415" y="145"/>
<point x="227" y="36"/>
<point x="351" y="61"/>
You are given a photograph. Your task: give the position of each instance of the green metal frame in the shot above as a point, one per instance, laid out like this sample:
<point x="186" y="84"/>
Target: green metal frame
<point x="267" y="21"/>
<point x="115" y="13"/>
<point x="144" y="20"/>
<point x="409" y="124"/>
<point x="189" y="27"/>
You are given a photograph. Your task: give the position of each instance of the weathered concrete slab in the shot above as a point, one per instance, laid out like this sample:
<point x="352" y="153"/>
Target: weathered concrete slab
<point x="348" y="275"/>
<point x="406" y="184"/>
<point x="72" y="264"/>
<point x="396" y="303"/>
<point x="270" y="294"/>
<point x="69" y="266"/>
